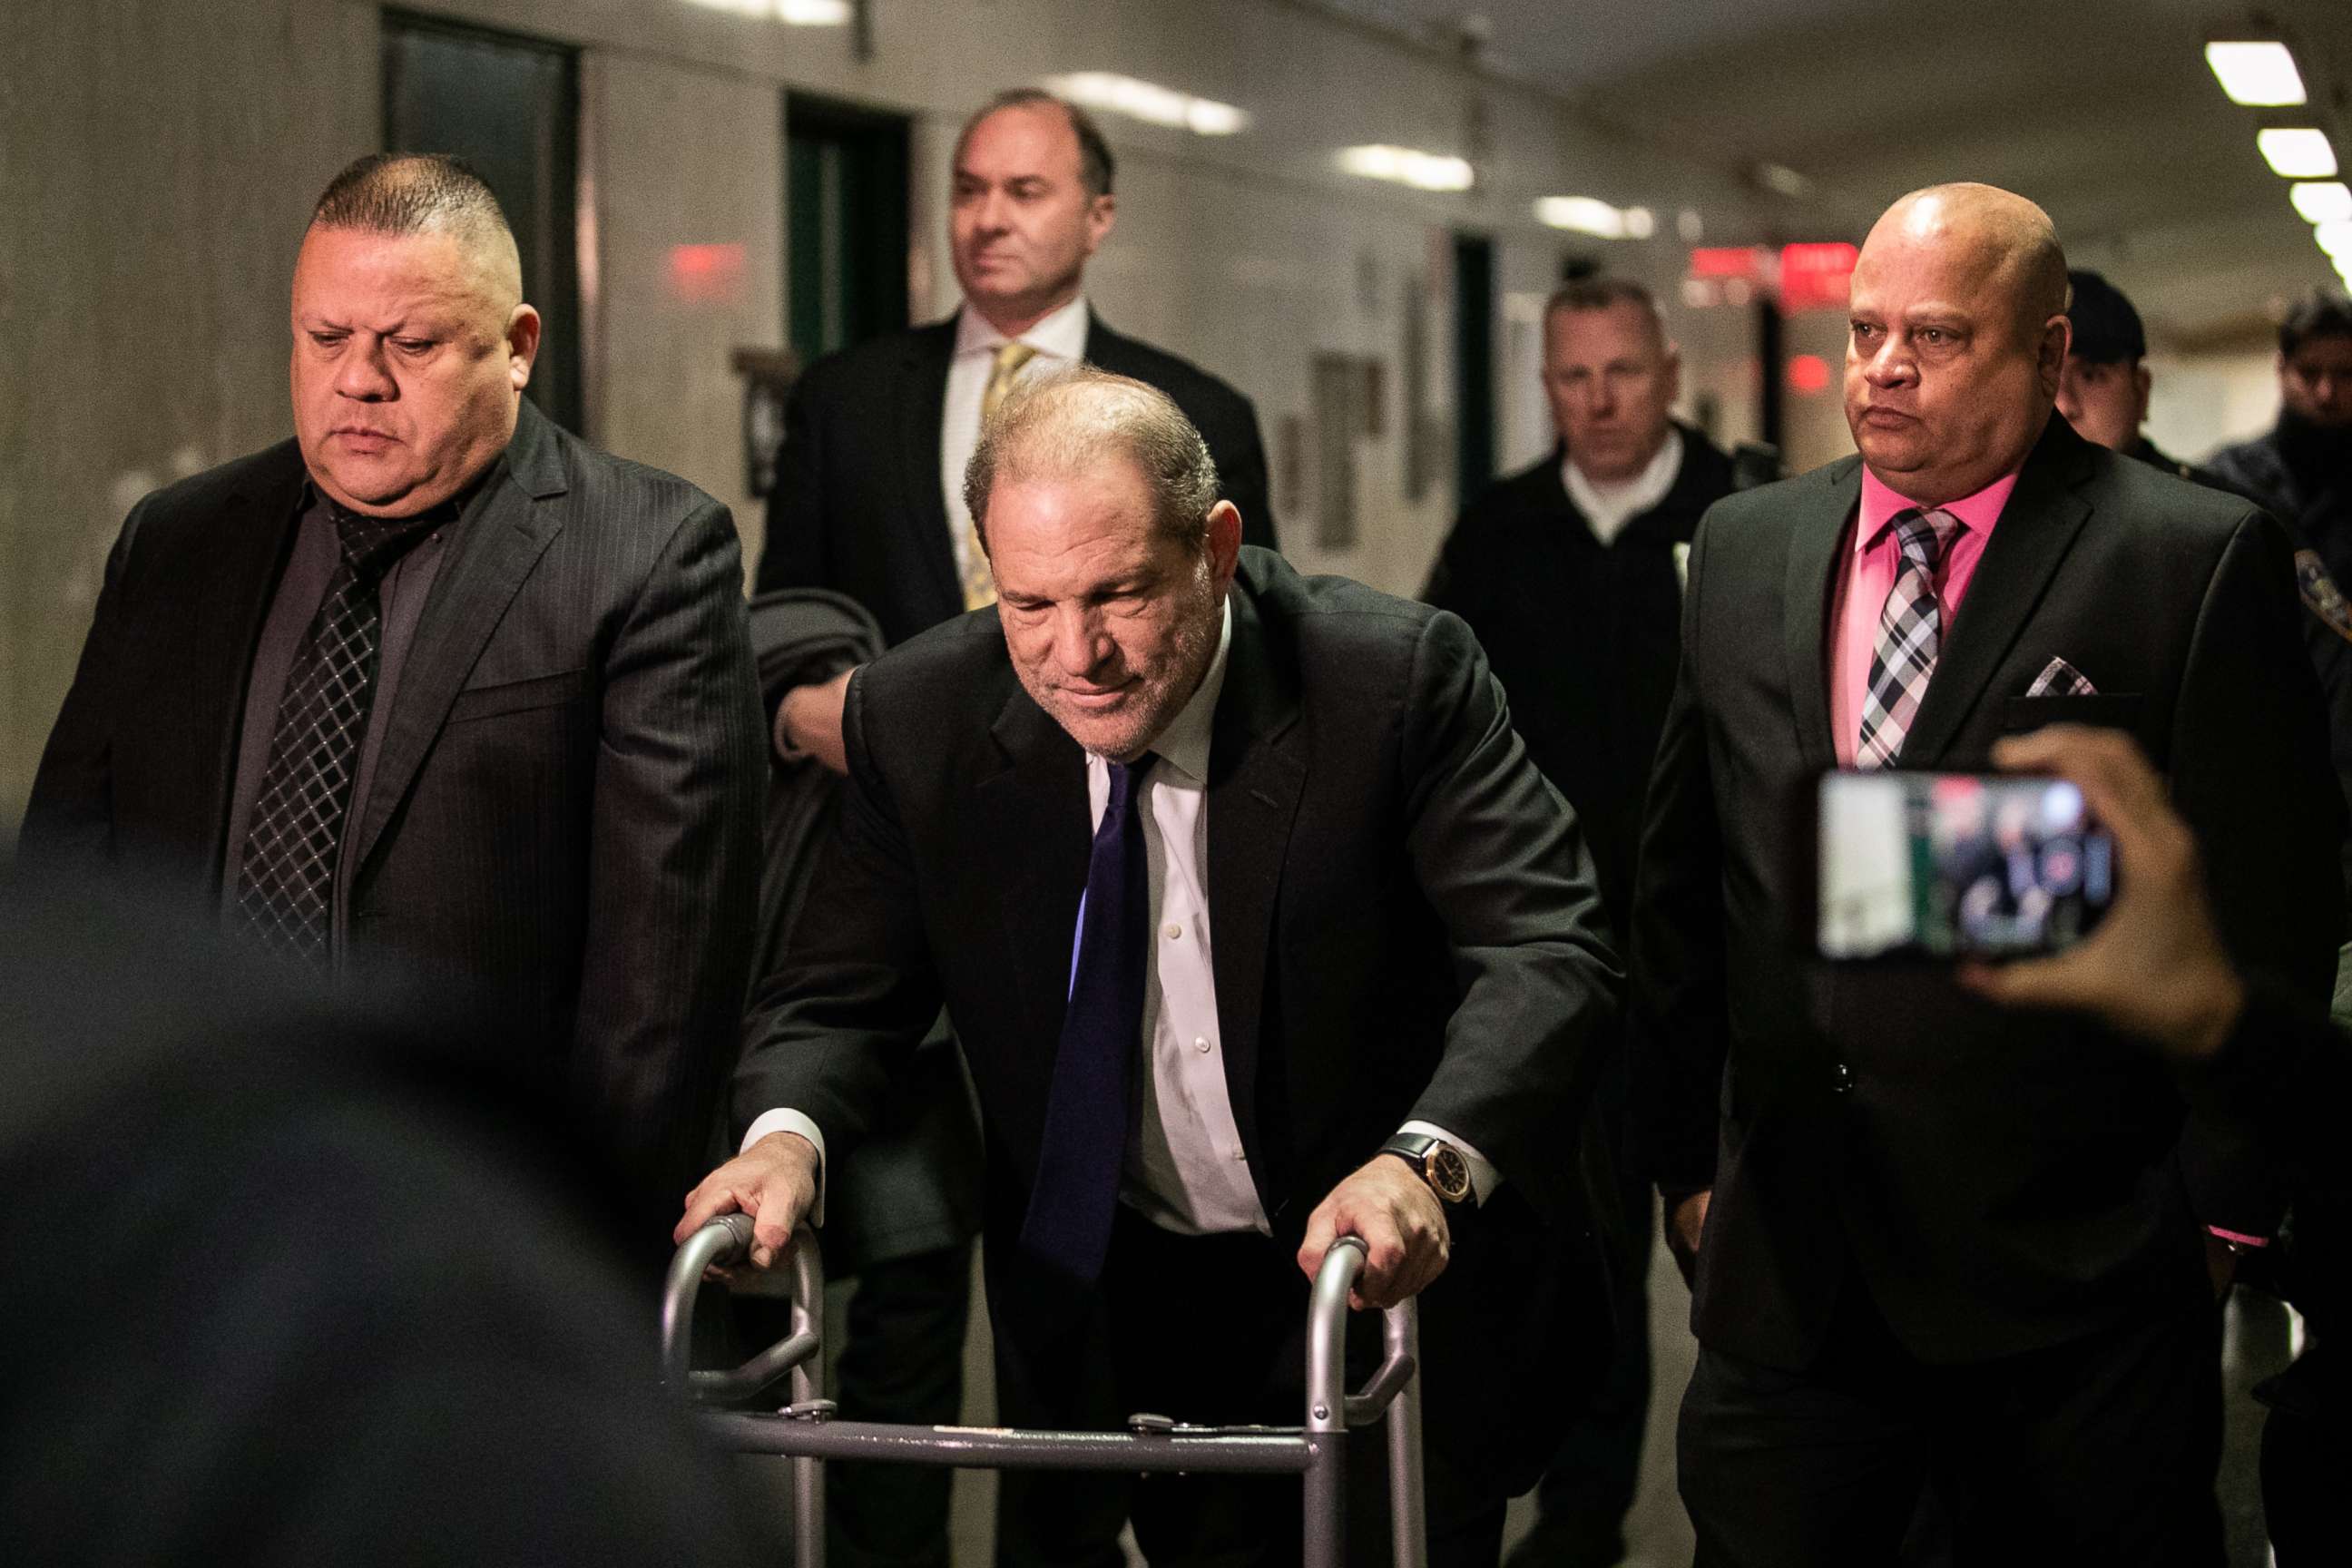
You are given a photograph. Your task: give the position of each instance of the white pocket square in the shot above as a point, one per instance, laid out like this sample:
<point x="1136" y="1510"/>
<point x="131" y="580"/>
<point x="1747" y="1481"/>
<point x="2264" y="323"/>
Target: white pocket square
<point x="2059" y="679"/>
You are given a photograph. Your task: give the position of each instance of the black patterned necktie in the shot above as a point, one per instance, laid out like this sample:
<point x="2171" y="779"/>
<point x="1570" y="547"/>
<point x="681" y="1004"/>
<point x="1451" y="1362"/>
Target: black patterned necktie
<point x="286" y="875"/>
<point x="1085" y="1144"/>
<point x="1910" y="636"/>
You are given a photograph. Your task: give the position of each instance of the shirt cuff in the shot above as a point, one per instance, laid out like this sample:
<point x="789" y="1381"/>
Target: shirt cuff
<point x="794" y="1121"/>
<point x="1484" y="1178"/>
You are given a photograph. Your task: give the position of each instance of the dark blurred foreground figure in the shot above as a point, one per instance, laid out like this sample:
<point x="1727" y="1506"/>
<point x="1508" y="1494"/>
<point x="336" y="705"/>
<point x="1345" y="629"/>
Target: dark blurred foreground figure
<point x="434" y="686"/>
<point x="1570" y="572"/>
<point x="283" y="1282"/>
<point x="1934" y="1247"/>
<point x="2157" y="970"/>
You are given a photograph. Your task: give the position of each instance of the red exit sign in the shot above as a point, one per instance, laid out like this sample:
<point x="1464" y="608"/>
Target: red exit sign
<point x="1816" y="276"/>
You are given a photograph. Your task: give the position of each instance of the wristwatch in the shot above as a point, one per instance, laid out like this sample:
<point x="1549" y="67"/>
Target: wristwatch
<point x="1434" y="1161"/>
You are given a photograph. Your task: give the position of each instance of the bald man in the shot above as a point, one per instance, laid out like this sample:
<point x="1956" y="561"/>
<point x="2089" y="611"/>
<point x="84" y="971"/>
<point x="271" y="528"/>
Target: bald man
<point x="433" y="688"/>
<point x="1931" y="1246"/>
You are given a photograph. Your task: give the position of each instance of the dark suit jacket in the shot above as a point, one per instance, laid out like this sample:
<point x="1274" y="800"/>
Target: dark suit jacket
<point x="1404" y="924"/>
<point x="1583" y="635"/>
<point x="564" y="816"/>
<point x="1998" y="1181"/>
<point x="857" y="506"/>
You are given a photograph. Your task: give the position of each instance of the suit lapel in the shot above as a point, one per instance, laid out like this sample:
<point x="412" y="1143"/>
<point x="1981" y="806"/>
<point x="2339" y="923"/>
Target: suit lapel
<point x="509" y="530"/>
<point x="1813" y="566"/>
<point x="225" y="622"/>
<point x="1256" y="776"/>
<point x="922" y="405"/>
<point x="2037" y="527"/>
<point x="1105" y="350"/>
<point x="1032" y="817"/>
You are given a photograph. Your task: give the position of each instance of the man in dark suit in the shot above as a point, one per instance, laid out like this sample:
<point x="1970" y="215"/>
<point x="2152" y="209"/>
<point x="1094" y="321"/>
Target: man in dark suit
<point x="868" y="498"/>
<point x="1406" y="946"/>
<point x="1934" y="1244"/>
<point x="868" y="502"/>
<point x="434" y="687"/>
<point x="1571" y="574"/>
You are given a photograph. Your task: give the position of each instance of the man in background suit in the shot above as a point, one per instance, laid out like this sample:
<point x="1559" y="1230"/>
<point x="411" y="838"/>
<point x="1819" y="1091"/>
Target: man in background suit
<point x="1934" y="1246"/>
<point x="1569" y="573"/>
<point x="1329" y="902"/>
<point x="869" y="503"/>
<point x="434" y="688"/>
<point x="868" y="498"/>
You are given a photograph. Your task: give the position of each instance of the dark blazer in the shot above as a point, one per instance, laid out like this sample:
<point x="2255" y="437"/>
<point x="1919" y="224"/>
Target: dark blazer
<point x="1583" y="635"/>
<point x="564" y="816"/>
<point x="913" y="1185"/>
<point x="857" y="506"/>
<point x="1999" y="1182"/>
<point x="1404" y="924"/>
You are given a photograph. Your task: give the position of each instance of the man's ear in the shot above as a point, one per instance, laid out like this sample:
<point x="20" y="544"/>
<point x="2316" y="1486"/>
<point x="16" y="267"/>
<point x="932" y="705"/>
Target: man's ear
<point x="1224" y="542"/>
<point x="2057" y="336"/>
<point x="1101" y="214"/>
<point x="522" y="344"/>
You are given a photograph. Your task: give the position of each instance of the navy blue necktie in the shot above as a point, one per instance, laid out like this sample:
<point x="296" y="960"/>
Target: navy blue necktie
<point x="1086" y="1107"/>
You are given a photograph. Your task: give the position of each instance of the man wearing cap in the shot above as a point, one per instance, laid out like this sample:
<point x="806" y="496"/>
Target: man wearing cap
<point x="2102" y="390"/>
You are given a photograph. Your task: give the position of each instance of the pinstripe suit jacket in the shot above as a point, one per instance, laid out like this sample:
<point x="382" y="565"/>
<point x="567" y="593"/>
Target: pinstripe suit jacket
<point x="562" y="830"/>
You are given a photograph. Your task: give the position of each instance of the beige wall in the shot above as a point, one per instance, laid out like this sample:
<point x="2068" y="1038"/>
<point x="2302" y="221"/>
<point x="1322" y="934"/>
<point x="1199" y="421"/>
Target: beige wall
<point x="157" y="156"/>
<point x="161" y="160"/>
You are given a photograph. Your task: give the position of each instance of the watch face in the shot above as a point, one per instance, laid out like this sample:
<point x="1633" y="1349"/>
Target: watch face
<point x="1449" y="1172"/>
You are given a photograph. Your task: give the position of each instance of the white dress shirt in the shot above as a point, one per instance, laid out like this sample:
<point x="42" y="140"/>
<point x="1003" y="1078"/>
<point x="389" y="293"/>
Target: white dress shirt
<point x="1609" y="508"/>
<point x="1186" y="1169"/>
<point x="1060" y="339"/>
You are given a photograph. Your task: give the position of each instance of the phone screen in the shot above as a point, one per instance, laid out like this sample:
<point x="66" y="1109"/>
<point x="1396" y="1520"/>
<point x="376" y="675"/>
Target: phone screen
<point x="1956" y="865"/>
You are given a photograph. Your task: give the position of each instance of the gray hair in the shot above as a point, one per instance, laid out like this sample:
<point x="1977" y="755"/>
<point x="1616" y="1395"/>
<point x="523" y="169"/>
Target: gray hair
<point x="1068" y="423"/>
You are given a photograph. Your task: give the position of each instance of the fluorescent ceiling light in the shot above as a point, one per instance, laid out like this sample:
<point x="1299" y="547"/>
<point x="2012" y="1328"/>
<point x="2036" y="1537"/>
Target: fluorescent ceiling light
<point x="1405" y="166"/>
<point x="2262" y="76"/>
<point x="1150" y="102"/>
<point x="792" y="13"/>
<point x="2298" y="154"/>
<point x="2336" y="238"/>
<point x="1582" y="214"/>
<point x="1590" y="215"/>
<point x="2322" y="203"/>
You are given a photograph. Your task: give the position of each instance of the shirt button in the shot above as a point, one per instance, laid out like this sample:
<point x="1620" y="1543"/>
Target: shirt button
<point x="1840" y="1080"/>
<point x="1201" y="1043"/>
<point x="1175" y="931"/>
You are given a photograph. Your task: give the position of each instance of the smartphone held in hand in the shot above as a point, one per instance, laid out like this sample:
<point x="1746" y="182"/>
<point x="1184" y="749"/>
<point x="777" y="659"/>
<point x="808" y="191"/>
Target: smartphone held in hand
<point x="1951" y="866"/>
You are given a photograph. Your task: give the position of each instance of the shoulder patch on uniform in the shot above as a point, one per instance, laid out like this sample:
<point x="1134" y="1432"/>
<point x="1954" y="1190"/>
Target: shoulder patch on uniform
<point x="2321" y="597"/>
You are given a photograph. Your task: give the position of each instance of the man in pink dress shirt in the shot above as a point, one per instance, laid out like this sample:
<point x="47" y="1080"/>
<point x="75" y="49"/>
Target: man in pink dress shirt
<point x="1931" y="1246"/>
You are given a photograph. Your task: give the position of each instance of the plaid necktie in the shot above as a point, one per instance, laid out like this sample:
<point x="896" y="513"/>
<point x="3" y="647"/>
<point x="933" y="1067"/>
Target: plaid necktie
<point x="1910" y="631"/>
<point x="979" y="586"/>
<point x="1087" y="1101"/>
<point x="286" y="875"/>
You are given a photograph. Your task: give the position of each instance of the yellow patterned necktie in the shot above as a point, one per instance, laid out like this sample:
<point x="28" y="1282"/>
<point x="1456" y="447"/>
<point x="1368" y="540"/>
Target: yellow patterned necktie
<point x="978" y="585"/>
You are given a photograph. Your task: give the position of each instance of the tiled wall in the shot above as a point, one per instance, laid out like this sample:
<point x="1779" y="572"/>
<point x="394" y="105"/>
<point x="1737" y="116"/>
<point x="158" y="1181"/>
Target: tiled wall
<point x="157" y="158"/>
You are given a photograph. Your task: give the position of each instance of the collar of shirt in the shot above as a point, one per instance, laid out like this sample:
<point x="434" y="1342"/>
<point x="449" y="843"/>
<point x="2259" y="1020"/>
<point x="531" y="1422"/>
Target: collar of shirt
<point x="1880" y="504"/>
<point x="1609" y="508"/>
<point x="1061" y="335"/>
